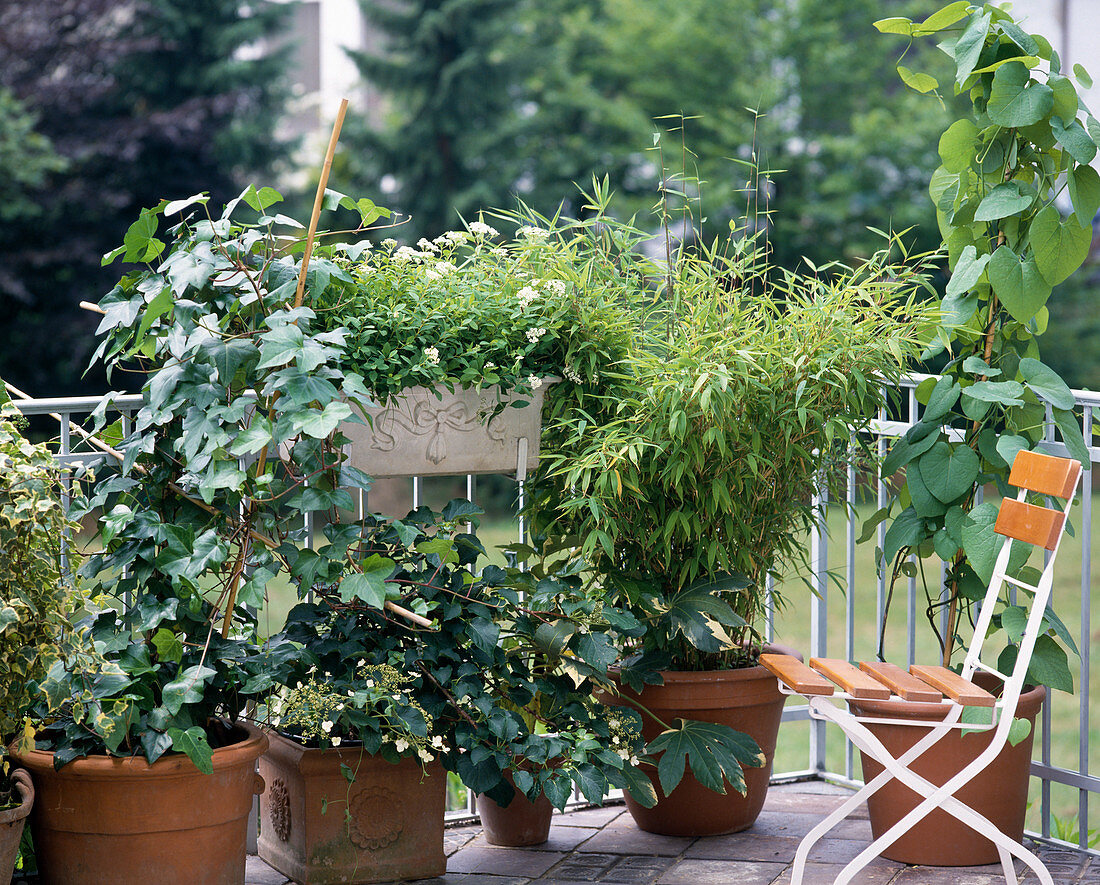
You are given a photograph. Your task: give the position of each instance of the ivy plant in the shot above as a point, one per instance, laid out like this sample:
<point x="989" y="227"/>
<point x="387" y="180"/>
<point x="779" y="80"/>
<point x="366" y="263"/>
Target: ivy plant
<point x="202" y="500"/>
<point x="1021" y="152"/>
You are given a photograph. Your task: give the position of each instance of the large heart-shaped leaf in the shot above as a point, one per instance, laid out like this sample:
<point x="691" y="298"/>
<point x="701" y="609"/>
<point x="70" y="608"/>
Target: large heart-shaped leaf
<point x="1016" y="100"/>
<point x="949" y="471"/>
<point x="1060" y="247"/>
<point x="1084" y="192"/>
<point x="1046" y="383"/>
<point x="1072" y="136"/>
<point x="1005" y="199"/>
<point x="968" y="270"/>
<point x="979" y="540"/>
<point x="1018" y="284"/>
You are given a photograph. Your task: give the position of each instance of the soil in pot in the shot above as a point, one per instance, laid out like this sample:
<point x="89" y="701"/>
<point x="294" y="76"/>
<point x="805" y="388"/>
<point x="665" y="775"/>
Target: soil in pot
<point x="318" y="829"/>
<point x="747" y="700"/>
<point x="521" y="822"/>
<point x="11" y="824"/>
<point x="109" y="821"/>
<point x="999" y="793"/>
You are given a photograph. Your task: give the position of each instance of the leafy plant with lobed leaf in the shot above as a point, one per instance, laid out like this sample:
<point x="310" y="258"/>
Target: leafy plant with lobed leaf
<point x="203" y="499"/>
<point x="1025" y="145"/>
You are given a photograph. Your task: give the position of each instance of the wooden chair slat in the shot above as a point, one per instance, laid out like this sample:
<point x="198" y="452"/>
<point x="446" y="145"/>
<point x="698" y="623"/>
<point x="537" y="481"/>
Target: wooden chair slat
<point x="796" y="675"/>
<point x="1045" y="474"/>
<point x="903" y="684"/>
<point x="849" y="678"/>
<point x="963" y="691"/>
<point x="1027" y="522"/>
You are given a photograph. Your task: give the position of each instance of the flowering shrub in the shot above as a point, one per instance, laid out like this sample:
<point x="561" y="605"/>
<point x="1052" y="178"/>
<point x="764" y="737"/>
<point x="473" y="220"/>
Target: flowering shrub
<point x="464" y="310"/>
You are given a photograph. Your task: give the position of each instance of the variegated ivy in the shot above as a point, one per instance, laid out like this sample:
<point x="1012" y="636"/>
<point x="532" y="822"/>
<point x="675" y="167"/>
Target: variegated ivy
<point x="1007" y="168"/>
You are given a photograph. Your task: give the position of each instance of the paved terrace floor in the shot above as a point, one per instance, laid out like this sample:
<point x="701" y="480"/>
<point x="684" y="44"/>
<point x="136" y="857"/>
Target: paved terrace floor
<point x="602" y="845"/>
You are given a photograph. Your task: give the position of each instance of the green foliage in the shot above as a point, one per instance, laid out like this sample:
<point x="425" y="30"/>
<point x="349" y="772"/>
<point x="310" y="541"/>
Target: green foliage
<point x="37" y="597"/>
<point x="1026" y="140"/>
<point x="27" y="155"/>
<point x="689" y="478"/>
<point x="461" y="310"/>
<point x="221" y="464"/>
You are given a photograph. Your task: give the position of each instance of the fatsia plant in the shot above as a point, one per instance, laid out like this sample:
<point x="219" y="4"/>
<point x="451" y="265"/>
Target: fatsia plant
<point x="204" y="500"/>
<point x="1022" y="151"/>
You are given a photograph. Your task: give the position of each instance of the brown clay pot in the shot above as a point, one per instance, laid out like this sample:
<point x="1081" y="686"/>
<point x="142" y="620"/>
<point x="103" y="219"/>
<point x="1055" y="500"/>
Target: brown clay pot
<point x="747" y="700"/>
<point x="395" y="830"/>
<point x="108" y="821"/>
<point x="11" y="825"/>
<point x="999" y="793"/>
<point x="521" y="822"/>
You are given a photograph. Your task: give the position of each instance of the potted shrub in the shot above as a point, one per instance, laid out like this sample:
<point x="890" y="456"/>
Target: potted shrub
<point x="691" y="479"/>
<point x="463" y="692"/>
<point x="1027" y="136"/>
<point x="458" y="339"/>
<point x="199" y="507"/>
<point x="36" y="601"/>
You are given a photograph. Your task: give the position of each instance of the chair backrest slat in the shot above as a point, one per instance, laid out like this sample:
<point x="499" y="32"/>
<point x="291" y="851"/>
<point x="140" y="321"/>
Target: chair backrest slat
<point x="1045" y="474"/>
<point x="1040" y="526"/>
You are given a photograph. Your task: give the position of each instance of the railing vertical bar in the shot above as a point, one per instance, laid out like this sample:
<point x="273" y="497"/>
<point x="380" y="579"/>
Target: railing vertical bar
<point x="1083" y="740"/>
<point x="881" y="500"/>
<point x="911" y="584"/>
<point x="417" y="491"/>
<point x="849" y="588"/>
<point x="66" y="485"/>
<point x="819" y="565"/>
<point x="769" y="608"/>
<point x="1044" y="793"/>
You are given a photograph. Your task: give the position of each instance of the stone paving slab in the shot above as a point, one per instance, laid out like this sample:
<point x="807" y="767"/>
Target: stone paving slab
<point x="602" y="845"/>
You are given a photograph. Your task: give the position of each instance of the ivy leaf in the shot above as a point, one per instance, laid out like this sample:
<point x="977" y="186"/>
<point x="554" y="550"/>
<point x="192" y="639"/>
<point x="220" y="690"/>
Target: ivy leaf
<point x="187" y="687"/>
<point x="1060" y="247"/>
<point x="319" y="424"/>
<point x="1018" y="284"/>
<point x="168" y="645"/>
<point x="193" y="742"/>
<point x="1005" y="199"/>
<point x="979" y="540"/>
<point x="949" y="471"/>
<point x="280" y="346"/>
<point x="1084" y="192"/>
<point x="1015" y="99"/>
<point x="595" y="649"/>
<point x="716" y="754"/>
<point x="1046" y="383"/>
<point x="369" y="585"/>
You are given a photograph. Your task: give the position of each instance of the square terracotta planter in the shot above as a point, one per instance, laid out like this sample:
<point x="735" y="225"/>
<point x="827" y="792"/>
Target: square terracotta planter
<point x="386" y="825"/>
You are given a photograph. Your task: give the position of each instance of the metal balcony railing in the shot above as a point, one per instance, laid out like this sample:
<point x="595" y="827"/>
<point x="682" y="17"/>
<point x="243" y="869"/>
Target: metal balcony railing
<point x="846" y="586"/>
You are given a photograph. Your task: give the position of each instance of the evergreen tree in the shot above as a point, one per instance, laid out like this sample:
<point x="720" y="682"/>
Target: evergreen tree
<point x="452" y="78"/>
<point x="143" y="99"/>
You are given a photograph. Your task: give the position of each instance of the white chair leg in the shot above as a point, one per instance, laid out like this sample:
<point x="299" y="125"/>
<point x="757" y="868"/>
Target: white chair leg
<point x="1008" y="865"/>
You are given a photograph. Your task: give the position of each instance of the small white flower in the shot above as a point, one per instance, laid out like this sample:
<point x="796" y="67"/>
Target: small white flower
<point x="556" y="287"/>
<point x="401" y="745"/>
<point x="535" y="381"/>
<point x="525" y="296"/>
<point x="406" y="254"/>
<point x="573" y="375"/>
<point x="361" y="662"/>
<point x="425" y="755"/>
<point x="431" y="354"/>
<point x="533" y="335"/>
<point x="427" y="245"/>
<point x="489" y="364"/>
<point x="326" y="726"/>
<point x="437" y="742"/>
<point x="335" y="741"/>
<point x="624" y="755"/>
<point x="339" y="706"/>
<point x="370" y="683"/>
<point x="389" y="242"/>
<point x="481" y="230"/>
<point x="533" y="233"/>
<point x="499" y="252"/>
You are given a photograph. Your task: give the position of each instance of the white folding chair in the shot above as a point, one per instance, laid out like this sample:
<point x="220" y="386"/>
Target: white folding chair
<point x="1036" y="525"/>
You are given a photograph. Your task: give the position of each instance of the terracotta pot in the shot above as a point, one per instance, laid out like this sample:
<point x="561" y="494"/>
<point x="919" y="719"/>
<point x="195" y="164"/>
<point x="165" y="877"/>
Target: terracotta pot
<point x="11" y="825"/>
<point x="747" y="700"/>
<point x="395" y="829"/>
<point x="108" y="821"/>
<point x="521" y="822"/>
<point x="999" y="793"/>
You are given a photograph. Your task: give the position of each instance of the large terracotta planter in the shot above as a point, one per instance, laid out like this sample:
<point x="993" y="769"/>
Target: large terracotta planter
<point x="521" y="822"/>
<point x="11" y="825"/>
<point x="999" y="793"/>
<point x="395" y="827"/>
<point x="747" y="700"/>
<point x="421" y="433"/>
<point x="108" y="821"/>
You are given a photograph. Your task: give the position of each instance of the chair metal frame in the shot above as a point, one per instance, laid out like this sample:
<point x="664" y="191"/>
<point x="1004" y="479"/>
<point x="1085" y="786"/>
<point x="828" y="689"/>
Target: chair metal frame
<point x="833" y="706"/>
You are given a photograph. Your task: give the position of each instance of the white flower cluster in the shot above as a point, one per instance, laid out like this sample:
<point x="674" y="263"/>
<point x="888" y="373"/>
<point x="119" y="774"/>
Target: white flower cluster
<point x="481" y="230"/>
<point x="535" y="381"/>
<point x="452" y="238"/>
<point x="389" y="243"/>
<point x="431" y="355"/>
<point x="427" y="245"/>
<point x="555" y="287"/>
<point x="572" y="375"/>
<point x="439" y="270"/>
<point x="405" y="254"/>
<point x="526" y="295"/>
<point x="533" y="335"/>
<point x="528" y="232"/>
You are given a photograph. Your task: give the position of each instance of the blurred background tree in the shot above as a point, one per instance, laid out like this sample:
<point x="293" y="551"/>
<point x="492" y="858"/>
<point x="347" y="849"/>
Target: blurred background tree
<point x="141" y="100"/>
